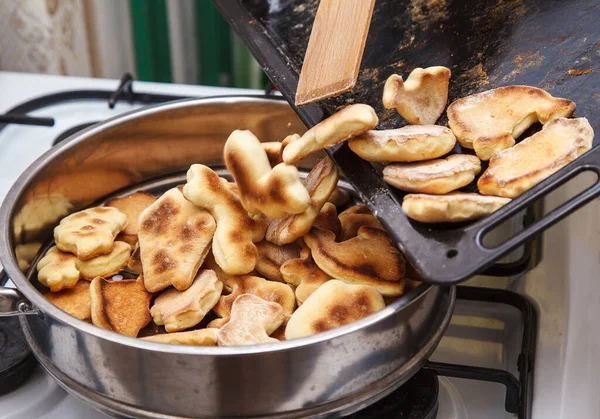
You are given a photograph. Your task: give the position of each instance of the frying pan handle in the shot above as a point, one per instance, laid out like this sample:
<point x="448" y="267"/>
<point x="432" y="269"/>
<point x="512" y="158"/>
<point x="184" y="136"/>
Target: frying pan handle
<point x="12" y="302"/>
<point x="589" y="162"/>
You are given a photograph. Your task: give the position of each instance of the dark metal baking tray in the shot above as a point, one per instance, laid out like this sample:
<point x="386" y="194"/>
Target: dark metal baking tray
<point x="551" y="44"/>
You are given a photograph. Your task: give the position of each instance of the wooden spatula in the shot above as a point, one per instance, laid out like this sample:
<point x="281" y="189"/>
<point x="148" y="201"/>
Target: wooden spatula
<point x="335" y="49"/>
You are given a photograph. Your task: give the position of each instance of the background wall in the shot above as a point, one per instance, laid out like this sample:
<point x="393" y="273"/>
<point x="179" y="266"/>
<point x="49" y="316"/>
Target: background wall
<point x="183" y="41"/>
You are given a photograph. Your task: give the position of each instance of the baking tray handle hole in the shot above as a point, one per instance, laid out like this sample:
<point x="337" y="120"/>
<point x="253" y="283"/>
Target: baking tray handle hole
<point x="452" y="253"/>
<point x="552" y="199"/>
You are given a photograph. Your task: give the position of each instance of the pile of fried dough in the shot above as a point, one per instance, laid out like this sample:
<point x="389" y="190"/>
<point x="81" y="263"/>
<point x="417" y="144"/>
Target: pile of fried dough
<point x="271" y="256"/>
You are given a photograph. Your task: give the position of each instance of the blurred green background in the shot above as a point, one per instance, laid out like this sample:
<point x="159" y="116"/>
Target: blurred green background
<point x="222" y="59"/>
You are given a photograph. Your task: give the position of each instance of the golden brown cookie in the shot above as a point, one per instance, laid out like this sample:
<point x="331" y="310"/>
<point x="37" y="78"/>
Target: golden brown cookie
<point x="252" y="321"/>
<point x="274" y="192"/>
<point x="75" y="301"/>
<point x="132" y="206"/>
<point x="105" y="265"/>
<point x="200" y="337"/>
<point x="58" y="270"/>
<point x="490" y="121"/>
<point x="339" y="197"/>
<point x="180" y="310"/>
<point x="517" y="169"/>
<point x="272" y="256"/>
<point x="328" y="219"/>
<point x="354" y="218"/>
<point x="175" y="236"/>
<point x="435" y="176"/>
<point x="407" y="144"/>
<point x="120" y="306"/>
<point x="320" y="183"/>
<point x="89" y="233"/>
<point x="451" y="208"/>
<point x="233" y="243"/>
<point x="370" y="258"/>
<point x="341" y="126"/>
<point x="273" y="150"/>
<point x="276" y="292"/>
<point x="134" y="264"/>
<point x="304" y="274"/>
<point x="422" y="98"/>
<point x="334" y="304"/>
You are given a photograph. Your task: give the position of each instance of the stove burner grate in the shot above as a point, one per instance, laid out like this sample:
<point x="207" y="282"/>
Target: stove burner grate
<point x="16" y="361"/>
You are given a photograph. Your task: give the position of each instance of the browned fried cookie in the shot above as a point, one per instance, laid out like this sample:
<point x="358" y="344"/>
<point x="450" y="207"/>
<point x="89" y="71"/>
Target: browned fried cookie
<point x="274" y="192"/>
<point x="180" y="310"/>
<point x="120" y="306"/>
<point x="370" y="258"/>
<point x="132" y="206"/>
<point x="200" y="337"/>
<point x="273" y="150"/>
<point x="341" y="126"/>
<point x="58" y="270"/>
<point x="334" y="304"/>
<point x="320" y="183"/>
<point x="175" y="236"/>
<point x="130" y="239"/>
<point x="233" y="243"/>
<point x="328" y="219"/>
<point x="276" y="292"/>
<point x="252" y="321"/>
<point x="354" y="218"/>
<point x="435" y="176"/>
<point x="75" y="301"/>
<point x="105" y="265"/>
<point x="407" y="144"/>
<point x="517" y="169"/>
<point x="454" y="207"/>
<point x="304" y="274"/>
<point x="272" y="256"/>
<point x="339" y="197"/>
<point x="422" y="98"/>
<point x="490" y="121"/>
<point x="89" y="233"/>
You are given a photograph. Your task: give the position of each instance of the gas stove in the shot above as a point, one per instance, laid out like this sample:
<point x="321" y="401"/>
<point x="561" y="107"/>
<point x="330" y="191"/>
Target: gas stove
<point x="518" y="346"/>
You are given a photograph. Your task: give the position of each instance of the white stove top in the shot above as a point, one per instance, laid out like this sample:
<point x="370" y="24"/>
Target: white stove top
<point x="564" y="286"/>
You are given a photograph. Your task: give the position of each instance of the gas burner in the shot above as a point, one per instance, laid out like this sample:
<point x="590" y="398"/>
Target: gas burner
<point x="16" y="361"/>
<point x="416" y="399"/>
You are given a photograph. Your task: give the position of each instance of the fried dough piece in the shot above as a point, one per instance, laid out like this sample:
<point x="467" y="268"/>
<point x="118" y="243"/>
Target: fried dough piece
<point x="252" y="321"/>
<point x="328" y="219"/>
<point x="75" y="301"/>
<point x="516" y="170"/>
<point x="435" y="176"/>
<point x="406" y="144"/>
<point x="58" y="270"/>
<point x="132" y="206"/>
<point x="354" y="218"/>
<point x="200" y="337"/>
<point x="490" y="121"/>
<point x="272" y="256"/>
<point x="273" y="192"/>
<point x="134" y="264"/>
<point x="339" y="197"/>
<point x="175" y="236"/>
<point x="233" y="243"/>
<point x="89" y="233"/>
<point x="273" y="150"/>
<point x="334" y="304"/>
<point x="304" y="274"/>
<point x="120" y="306"/>
<point x="105" y="265"/>
<point x="349" y="122"/>
<point x="320" y="184"/>
<point x="180" y="310"/>
<point x="422" y="98"/>
<point x="276" y="292"/>
<point x="451" y="208"/>
<point x="370" y="258"/>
